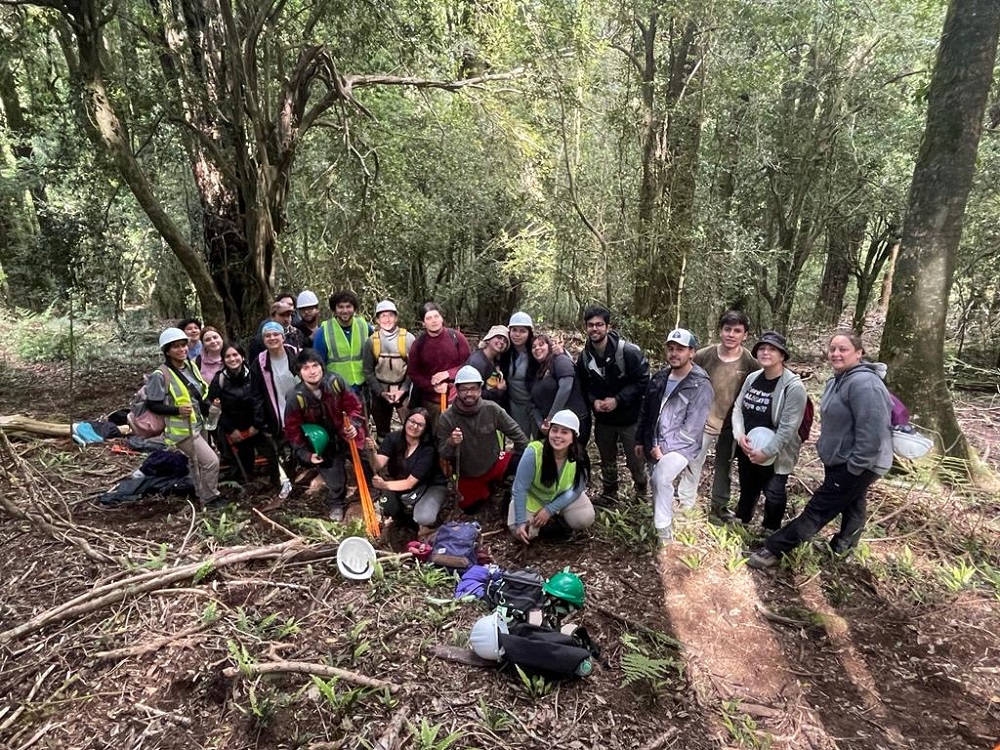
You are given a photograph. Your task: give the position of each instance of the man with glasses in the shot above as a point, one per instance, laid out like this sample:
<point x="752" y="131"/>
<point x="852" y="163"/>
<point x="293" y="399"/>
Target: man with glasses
<point x="613" y="374"/>
<point x="467" y="434"/>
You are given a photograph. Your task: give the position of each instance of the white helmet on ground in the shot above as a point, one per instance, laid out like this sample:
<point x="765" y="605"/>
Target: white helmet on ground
<point x="170" y="336"/>
<point x="567" y="419"/>
<point x="468" y="374"/>
<point x="911" y="445"/>
<point x="307" y="299"/>
<point x="356" y="558"/>
<point x="385" y="305"/>
<point x="484" y="638"/>
<point x="522" y="319"/>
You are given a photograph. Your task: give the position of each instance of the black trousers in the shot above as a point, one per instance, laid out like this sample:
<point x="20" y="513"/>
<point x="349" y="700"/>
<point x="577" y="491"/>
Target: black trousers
<point x="754" y="480"/>
<point x="842" y="493"/>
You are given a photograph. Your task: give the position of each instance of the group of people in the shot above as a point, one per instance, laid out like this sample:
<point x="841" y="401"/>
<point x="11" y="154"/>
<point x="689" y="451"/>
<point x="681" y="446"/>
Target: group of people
<point x="518" y="409"/>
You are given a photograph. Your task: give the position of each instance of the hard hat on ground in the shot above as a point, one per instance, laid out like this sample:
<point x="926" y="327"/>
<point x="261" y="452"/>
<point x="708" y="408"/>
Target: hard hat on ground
<point x="484" y="638"/>
<point x="566" y="586"/>
<point x="356" y="558"/>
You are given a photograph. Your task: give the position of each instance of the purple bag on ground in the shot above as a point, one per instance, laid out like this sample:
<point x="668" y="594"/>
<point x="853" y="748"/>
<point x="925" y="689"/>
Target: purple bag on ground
<point x="165" y="464"/>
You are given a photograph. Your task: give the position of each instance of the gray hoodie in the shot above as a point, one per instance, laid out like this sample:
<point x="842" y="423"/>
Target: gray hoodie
<point x="788" y="404"/>
<point x="855" y="421"/>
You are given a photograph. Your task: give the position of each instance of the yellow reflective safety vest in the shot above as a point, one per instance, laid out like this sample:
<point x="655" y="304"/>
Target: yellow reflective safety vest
<point x="538" y="494"/>
<point x="342" y="356"/>
<point x="175" y="427"/>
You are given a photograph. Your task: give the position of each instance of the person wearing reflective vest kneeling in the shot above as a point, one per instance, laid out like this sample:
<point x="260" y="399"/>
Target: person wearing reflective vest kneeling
<point x="177" y="392"/>
<point x="551" y="482"/>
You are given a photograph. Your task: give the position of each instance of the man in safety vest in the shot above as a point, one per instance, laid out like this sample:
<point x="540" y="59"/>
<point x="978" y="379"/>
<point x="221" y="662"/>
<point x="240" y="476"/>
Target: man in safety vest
<point x="384" y="360"/>
<point x="339" y="340"/>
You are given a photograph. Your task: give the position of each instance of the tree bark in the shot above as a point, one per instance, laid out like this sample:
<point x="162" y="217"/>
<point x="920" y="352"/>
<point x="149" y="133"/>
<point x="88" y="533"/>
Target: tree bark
<point x="841" y="245"/>
<point x="913" y="342"/>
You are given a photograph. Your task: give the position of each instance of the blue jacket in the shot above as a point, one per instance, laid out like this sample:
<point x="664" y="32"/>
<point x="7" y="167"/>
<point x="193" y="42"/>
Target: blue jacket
<point x="685" y="413"/>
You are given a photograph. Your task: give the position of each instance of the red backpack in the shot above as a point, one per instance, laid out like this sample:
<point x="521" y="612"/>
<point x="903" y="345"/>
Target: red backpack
<point x="805" y="426"/>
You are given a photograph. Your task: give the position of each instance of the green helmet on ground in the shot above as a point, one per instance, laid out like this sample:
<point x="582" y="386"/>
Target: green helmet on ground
<point x="319" y="437"/>
<point x="566" y="586"/>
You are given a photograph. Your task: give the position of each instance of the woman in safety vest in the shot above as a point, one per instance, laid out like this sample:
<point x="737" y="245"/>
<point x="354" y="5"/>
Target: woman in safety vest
<point x="551" y="481"/>
<point x="177" y="391"/>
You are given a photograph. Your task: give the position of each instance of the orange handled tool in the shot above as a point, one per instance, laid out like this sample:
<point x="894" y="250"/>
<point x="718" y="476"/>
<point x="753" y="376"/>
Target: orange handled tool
<point x="444" y="402"/>
<point x="372" y="527"/>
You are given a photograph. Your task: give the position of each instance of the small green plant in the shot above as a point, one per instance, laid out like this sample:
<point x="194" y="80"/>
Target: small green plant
<point x="495" y="719"/>
<point x="685" y="537"/>
<point x="225" y="529"/>
<point x="629" y="526"/>
<point x="742" y="728"/>
<point x="692" y="559"/>
<point x="210" y="614"/>
<point x="264" y="704"/>
<point x="239" y="654"/>
<point x="206" y="569"/>
<point x="958" y="577"/>
<point x="429" y="736"/>
<point x="991" y="575"/>
<point x="159" y="560"/>
<point x="338" y="700"/>
<point x="534" y="686"/>
<point x="434" y="577"/>
<point x="271" y="627"/>
<point x="640" y="667"/>
<point x="359" y="645"/>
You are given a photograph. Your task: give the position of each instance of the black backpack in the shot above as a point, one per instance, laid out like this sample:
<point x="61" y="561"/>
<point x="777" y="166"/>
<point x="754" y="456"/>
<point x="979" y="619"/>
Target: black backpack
<point x="517" y="592"/>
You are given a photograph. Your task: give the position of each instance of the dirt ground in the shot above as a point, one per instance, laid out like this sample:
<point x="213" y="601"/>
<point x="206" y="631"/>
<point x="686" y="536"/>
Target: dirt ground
<point x="896" y="647"/>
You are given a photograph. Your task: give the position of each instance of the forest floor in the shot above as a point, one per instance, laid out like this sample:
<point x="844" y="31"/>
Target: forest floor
<point x="894" y="647"/>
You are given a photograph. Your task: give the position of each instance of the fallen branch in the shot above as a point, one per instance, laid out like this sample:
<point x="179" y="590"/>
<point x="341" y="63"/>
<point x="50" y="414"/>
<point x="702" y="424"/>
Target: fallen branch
<point x="145" y="648"/>
<point x="21" y="423"/>
<point x="142" y="583"/>
<point x="390" y="738"/>
<point x="308" y="667"/>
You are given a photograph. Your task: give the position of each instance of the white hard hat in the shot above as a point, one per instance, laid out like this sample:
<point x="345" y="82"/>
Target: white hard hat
<point x="385" y="305"/>
<point x="356" y="558"/>
<point x="520" y="319"/>
<point x="170" y="335"/>
<point x="484" y="638"/>
<point x="759" y="438"/>
<point x="307" y="299"/>
<point x="910" y="445"/>
<point x="567" y="419"/>
<point x="468" y="374"/>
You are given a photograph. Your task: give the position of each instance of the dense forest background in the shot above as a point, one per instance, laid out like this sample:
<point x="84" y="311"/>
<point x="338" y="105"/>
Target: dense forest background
<point x="667" y="159"/>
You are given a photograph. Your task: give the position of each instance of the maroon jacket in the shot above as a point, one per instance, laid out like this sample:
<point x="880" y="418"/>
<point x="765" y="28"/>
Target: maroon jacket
<point x="336" y="399"/>
<point x="432" y="354"/>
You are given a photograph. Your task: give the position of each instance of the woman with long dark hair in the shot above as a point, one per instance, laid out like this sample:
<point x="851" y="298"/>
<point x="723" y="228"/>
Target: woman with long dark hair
<point x="555" y="387"/>
<point x="240" y="421"/>
<point x="551" y="481"/>
<point x="412" y="482"/>
<point x="855" y="446"/>
<point x="518" y="369"/>
<point x="209" y="361"/>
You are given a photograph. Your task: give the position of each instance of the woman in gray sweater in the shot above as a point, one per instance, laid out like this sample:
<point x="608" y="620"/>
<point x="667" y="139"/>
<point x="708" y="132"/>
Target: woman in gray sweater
<point x="855" y="446"/>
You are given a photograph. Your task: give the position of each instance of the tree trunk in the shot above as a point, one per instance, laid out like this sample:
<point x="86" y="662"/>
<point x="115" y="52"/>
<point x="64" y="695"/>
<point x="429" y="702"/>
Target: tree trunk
<point x="913" y="342"/>
<point x="842" y="240"/>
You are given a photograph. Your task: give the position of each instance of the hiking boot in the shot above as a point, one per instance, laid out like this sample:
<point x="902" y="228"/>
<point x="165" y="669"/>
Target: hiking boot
<point x="762" y="559"/>
<point x="336" y="513"/>
<point x="607" y="499"/>
<point x="721" y="516"/>
<point x="215" y="503"/>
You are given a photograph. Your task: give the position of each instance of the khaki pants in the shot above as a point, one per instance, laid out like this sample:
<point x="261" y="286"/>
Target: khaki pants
<point x="204" y="466"/>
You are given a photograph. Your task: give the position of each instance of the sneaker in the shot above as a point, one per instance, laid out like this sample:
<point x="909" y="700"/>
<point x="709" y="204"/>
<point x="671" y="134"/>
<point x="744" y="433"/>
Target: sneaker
<point x="286" y="490"/>
<point x="721" y="516"/>
<point x="666" y="536"/>
<point x="336" y="513"/>
<point x="762" y="559"/>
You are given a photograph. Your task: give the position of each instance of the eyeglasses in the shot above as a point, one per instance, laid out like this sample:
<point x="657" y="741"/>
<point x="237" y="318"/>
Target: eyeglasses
<point x="415" y="423"/>
<point x="469" y="388"/>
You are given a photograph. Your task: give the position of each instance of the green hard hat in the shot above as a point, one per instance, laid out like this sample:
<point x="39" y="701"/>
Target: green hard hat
<point x="319" y="437"/>
<point x="566" y="586"/>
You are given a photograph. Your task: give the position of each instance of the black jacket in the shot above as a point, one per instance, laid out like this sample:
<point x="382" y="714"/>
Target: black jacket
<point x="599" y="377"/>
<point x="240" y="408"/>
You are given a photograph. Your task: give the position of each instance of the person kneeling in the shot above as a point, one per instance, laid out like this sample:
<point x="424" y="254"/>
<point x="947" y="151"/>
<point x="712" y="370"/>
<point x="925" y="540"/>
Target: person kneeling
<point x="551" y="481"/>
<point x="414" y="482"/>
<point x="314" y="425"/>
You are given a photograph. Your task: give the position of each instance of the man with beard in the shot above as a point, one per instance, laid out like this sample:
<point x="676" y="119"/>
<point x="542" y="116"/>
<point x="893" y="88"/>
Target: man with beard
<point x="671" y="424"/>
<point x="613" y="374"/>
<point x="467" y="436"/>
<point x="340" y="339"/>
<point x="307" y="306"/>
<point x="434" y="361"/>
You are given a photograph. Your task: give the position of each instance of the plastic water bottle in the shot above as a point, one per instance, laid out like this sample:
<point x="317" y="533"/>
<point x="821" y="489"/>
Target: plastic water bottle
<point x="584" y="668"/>
<point x="213" y="415"/>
